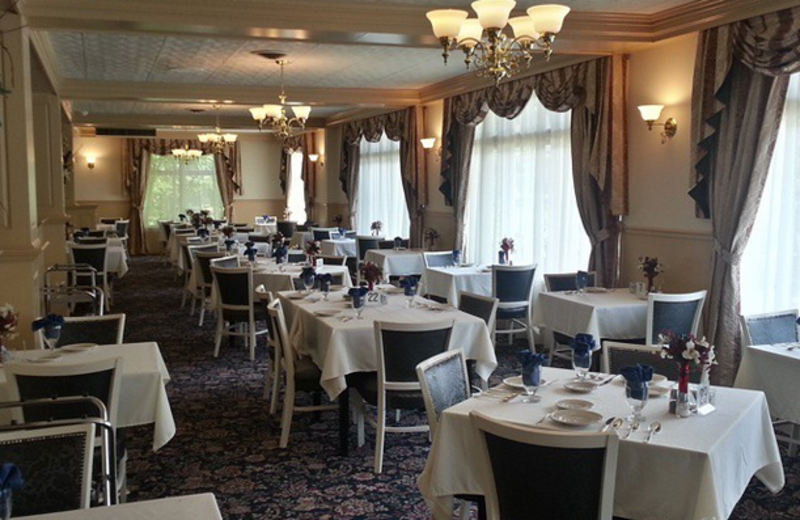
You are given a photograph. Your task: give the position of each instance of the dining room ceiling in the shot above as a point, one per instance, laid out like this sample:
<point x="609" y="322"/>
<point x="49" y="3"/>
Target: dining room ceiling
<point x="165" y="63"/>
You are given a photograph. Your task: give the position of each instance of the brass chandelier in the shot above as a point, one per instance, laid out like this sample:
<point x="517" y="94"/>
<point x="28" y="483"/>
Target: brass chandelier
<point x="275" y="115"/>
<point x="186" y="154"/>
<point x="218" y="140"/>
<point x="487" y="49"/>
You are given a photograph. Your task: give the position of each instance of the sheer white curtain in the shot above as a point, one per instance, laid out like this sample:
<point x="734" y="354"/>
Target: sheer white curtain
<point x="295" y="188"/>
<point x="521" y="187"/>
<point x="770" y="268"/>
<point x="174" y="186"/>
<point x="380" y="189"/>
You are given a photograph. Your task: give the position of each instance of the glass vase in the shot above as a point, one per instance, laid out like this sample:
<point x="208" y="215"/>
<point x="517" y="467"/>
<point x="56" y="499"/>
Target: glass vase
<point x="683" y="404"/>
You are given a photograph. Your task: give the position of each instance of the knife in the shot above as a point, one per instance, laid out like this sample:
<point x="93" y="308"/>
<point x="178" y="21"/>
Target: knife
<point x="605" y="382"/>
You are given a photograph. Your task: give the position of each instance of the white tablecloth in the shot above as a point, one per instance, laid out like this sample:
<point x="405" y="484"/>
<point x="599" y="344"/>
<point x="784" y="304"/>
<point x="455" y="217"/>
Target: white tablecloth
<point x="697" y="467"/>
<point x="341" y="347"/>
<point x="189" y="507"/>
<point x="342" y="247"/>
<point x="143" y="396"/>
<point x="116" y="257"/>
<point x="397" y="262"/>
<point x="776" y="371"/>
<point x="446" y="282"/>
<point x="616" y="314"/>
<point x="267" y="229"/>
<point x="174" y="248"/>
<point x="274" y="279"/>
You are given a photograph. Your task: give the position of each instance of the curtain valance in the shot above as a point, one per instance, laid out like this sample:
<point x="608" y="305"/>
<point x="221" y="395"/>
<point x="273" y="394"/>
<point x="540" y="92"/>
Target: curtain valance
<point x="403" y="126"/>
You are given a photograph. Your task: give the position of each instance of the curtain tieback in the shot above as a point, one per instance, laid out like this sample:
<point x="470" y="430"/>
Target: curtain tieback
<point x="601" y="236"/>
<point x="726" y="254"/>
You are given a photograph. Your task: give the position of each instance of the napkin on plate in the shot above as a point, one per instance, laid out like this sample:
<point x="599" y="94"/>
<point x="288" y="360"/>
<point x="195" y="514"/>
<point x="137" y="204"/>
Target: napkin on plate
<point x="583" y="343"/>
<point x="635" y="377"/>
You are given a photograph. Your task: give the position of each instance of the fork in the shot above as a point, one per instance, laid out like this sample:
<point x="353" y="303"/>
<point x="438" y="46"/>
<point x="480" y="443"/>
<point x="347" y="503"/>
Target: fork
<point x="543" y="419"/>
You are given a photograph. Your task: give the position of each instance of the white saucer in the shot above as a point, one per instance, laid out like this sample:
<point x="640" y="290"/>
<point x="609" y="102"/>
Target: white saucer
<point x="574" y="404"/>
<point x="580" y="387"/>
<point x="78" y="347"/>
<point x="326" y="313"/>
<point x="657" y="380"/>
<point x="516" y="382"/>
<point x="577" y="418"/>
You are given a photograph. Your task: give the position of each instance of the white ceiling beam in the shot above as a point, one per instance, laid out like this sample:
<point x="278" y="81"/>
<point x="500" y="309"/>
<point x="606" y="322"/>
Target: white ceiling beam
<point x="197" y="122"/>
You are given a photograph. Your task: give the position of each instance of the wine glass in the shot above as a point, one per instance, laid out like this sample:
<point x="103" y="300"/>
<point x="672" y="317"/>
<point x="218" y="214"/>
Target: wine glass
<point x="581" y="281"/>
<point x="581" y="362"/>
<point x="637" y="393"/>
<point x="308" y="282"/>
<point x="358" y="305"/>
<point x="51" y="334"/>
<point x="410" y="291"/>
<point x="531" y="379"/>
<point x="325" y="287"/>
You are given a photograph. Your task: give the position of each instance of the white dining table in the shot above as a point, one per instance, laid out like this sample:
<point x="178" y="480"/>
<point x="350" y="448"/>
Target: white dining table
<point x="775" y="370"/>
<point x="695" y="468"/>
<point x="116" y="257"/>
<point x="339" y="247"/>
<point x="340" y="345"/>
<point x="607" y="314"/>
<point x="397" y="262"/>
<point x="143" y="394"/>
<point x="189" y="507"/>
<point x="447" y="282"/>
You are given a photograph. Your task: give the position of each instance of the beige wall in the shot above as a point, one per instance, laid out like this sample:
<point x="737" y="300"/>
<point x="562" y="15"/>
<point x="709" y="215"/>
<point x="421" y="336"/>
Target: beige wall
<point x="438" y="216"/>
<point x="662" y="219"/>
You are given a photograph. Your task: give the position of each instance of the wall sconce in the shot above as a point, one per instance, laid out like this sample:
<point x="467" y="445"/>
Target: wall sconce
<point x="651" y="113"/>
<point x="428" y="143"/>
<point x="315" y="157"/>
<point x="90" y="162"/>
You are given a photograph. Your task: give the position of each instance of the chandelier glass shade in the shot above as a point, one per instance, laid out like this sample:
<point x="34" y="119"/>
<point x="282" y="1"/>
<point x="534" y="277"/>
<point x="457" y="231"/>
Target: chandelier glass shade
<point x="186" y="154"/>
<point x="217" y="139"/>
<point x="276" y="116"/>
<point x="487" y="49"/>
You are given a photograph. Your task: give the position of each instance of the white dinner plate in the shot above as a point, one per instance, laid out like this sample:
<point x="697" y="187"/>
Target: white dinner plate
<point x="326" y="313"/>
<point x="657" y="391"/>
<point x="580" y="387"/>
<point x="78" y="347"/>
<point x="577" y="418"/>
<point x="597" y="290"/>
<point x="45" y="359"/>
<point x="657" y="380"/>
<point x="516" y="382"/>
<point x="574" y="404"/>
<point x="297" y="295"/>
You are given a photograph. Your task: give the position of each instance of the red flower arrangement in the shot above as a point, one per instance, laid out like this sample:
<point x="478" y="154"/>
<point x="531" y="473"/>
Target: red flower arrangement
<point x="8" y="322"/>
<point x="650" y="268"/>
<point x="686" y="349"/>
<point x="371" y="273"/>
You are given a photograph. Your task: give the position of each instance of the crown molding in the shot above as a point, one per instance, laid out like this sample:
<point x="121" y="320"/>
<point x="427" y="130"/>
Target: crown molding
<point x="244" y="95"/>
<point x="360" y="113"/>
<point x="182" y="122"/>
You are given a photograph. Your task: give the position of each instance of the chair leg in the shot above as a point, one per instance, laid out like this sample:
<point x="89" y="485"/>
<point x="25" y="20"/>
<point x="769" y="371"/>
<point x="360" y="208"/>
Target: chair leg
<point x="202" y="314"/>
<point x="359" y="411"/>
<point x="218" y="334"/>
<point x="251" y="327"/>
<point x="380" y="432"/>
<point x="397" y="415"/>
<point x="795" y="437"/>
<point x="288" y="411"/>
<point x="194" y="302"/>
<point x="276" y="378"/>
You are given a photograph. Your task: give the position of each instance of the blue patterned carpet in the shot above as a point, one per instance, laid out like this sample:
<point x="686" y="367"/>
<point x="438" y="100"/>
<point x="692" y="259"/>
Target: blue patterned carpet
<point x="227" y="443"/>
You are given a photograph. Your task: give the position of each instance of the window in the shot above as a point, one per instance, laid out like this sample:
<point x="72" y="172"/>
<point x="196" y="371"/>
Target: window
<point x="380" y="189"/>
<point x="521" y="187"/>
<point x="770" y="280"/>
<point x="295" y="189"/>
<point x="173" y="187"/>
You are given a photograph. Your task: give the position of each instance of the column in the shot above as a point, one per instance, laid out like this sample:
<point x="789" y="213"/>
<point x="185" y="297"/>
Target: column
<point x="20" y="244"/>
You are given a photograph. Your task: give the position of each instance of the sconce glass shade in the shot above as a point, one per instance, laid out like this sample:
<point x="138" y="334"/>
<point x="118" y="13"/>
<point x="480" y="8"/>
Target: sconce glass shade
<point x="301" y="112"/>
<point x="258" y="113"/>
<point x="194" y="153"/>
<point x="524" y="29"/>
<point x="470" y="29"/>
<point x="428" y="142"/>
<point x="651" y="112"/>
<point x="548" y="18"/>
<point x="493" y="13"/>
<point x="313" y="157"/>
<point x="446" y="22"/>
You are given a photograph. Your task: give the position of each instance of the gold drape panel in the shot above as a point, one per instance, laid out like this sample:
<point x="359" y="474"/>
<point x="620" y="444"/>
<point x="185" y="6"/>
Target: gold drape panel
<point x="135" y="165"/>
<point x="595" y="92"/>
<point x="403" y="126"/>
<point x="740" y="82"/>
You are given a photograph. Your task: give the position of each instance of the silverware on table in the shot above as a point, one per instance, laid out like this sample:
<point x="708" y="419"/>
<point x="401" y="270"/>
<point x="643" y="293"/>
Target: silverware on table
<point x="543" y="419"/>
<point x="633" y="427"/>
<point x="607" y="380"/>
<point x="655" y="428"/>
<point x="608" y="424"/>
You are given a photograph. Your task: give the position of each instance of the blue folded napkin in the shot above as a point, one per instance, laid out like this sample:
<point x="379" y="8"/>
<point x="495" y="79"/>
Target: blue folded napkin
<point x="325" y="279"/>
<point x="635" y="377"/>
<point x="308" y="272"/>
<point x="531" y="366"/>
<point x="398" y="242"/>
<point x="581" y="279"/>
<point x="457" y="256"/>
<point x="342" y="232"/>
<point x="358" y="294"/>
<point x="10" y="477"/>
<point x="409" y="285"/>
<point x="279" y="254"/>
<point x="203" y="233"/>
<point x="583" y="343"/>
<point x="49" y="321"/>
<point x="229" y="244"/>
